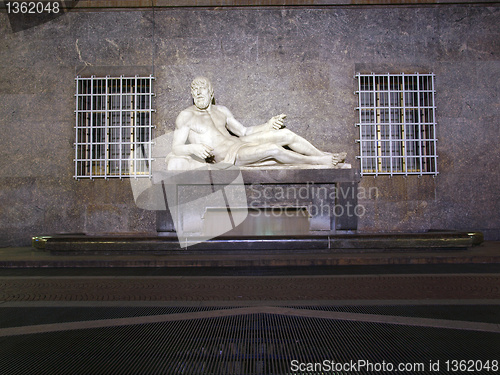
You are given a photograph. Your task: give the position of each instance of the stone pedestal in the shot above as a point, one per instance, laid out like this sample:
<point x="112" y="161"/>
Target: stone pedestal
<point x="271" y="201"/>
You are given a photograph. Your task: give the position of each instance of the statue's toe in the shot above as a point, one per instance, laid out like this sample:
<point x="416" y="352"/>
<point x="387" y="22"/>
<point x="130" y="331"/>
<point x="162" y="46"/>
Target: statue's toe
<point x="338" y="158"/>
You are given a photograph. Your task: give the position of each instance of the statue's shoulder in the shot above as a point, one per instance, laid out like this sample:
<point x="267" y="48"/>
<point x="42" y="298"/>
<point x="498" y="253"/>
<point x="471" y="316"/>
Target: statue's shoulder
<point x="185" y="116"/>
<point x="189" y="111"/>
<point x="223" y="109"/>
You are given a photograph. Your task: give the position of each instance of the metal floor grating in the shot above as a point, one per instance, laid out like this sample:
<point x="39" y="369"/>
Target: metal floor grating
<point x="255" y="343"/>
<point x="25" y="316"/>
<point x="474" y="313"/>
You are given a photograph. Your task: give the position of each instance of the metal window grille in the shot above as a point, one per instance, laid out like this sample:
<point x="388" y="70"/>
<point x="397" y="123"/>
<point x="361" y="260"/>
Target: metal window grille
<point x="113" y="127"/>
<point x="397" y="124"/>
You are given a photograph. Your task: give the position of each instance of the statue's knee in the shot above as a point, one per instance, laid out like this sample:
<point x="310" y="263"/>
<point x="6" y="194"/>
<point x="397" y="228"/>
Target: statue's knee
<point x="287" y="135"/>
<point x="274" y="149"/>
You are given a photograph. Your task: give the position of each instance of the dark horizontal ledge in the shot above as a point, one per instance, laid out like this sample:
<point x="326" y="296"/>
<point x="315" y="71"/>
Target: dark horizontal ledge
<point x="261" y="3"/>
<point x="143" y="4"/>
<point x="137" y="244"/>
<point x="257" y="176"/>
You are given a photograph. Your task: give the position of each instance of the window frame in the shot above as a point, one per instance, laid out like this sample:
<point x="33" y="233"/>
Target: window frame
<point x="113" y="126"/>
<point x="397" y="124"/>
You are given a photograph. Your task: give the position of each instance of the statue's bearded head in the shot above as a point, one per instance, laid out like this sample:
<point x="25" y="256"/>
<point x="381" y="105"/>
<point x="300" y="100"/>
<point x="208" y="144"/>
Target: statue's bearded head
<point x="202" y="92"/>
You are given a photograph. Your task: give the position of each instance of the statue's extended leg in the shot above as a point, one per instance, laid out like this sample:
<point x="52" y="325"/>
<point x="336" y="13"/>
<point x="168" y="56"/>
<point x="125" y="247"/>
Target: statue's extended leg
<point x="254" y="154"/>
<point x="285" y="137"/>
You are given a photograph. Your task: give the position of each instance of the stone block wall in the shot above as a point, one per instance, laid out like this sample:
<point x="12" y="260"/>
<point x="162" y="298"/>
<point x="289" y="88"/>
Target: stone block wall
<point x="262" y="61"/>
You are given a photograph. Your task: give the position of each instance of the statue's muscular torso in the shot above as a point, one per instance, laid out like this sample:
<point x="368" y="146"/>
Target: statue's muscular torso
<point x="209" y="128"/>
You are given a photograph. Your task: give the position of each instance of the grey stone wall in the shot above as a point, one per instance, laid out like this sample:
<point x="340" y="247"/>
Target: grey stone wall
<point x="262" y="61"/>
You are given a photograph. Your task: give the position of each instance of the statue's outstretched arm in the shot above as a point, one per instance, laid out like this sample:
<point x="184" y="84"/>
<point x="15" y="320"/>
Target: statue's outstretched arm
<point x="240" y="130"/>
<point x="233" y="125"/>
<point x="275" y="123"/>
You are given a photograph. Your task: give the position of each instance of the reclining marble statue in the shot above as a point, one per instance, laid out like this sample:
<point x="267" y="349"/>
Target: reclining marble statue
<point x="206" y="132"/>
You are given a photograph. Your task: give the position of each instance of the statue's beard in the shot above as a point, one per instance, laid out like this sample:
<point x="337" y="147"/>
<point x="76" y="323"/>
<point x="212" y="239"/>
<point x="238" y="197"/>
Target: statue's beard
<point x="202" y="102"/>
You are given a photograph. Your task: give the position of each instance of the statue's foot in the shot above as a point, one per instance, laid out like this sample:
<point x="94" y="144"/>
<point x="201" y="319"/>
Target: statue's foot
<point x="338" y="158"/>
<point x="331" y="158"/>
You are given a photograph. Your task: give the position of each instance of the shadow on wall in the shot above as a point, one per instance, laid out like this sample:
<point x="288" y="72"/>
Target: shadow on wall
<point x="25" y="15"/>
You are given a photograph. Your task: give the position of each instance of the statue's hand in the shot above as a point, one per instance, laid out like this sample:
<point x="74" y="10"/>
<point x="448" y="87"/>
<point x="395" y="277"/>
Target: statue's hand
<point x="201" y="150"/>
<point x="277" y="122"/>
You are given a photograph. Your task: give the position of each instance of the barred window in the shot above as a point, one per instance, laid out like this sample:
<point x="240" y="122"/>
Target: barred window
<point x="397" y="124"/>
<point x="113" y="127"/>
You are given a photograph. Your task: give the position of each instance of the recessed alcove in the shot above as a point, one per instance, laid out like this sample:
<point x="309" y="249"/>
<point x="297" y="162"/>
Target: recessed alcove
<point x="261" y="221"/>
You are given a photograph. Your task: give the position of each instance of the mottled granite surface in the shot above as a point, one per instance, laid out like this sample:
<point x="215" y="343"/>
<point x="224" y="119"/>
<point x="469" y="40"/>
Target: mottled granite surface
<point x="262" y="62"/>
